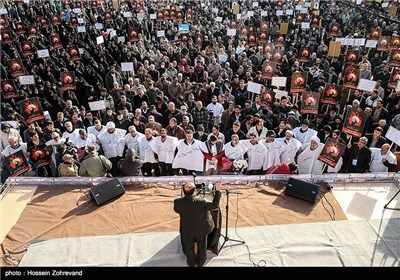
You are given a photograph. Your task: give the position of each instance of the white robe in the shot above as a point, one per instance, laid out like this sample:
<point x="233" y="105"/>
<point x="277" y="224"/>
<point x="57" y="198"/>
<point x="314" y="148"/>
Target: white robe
<point x="305" y="137"/>
<point x="274" y="151"/>
<point x="308" y="162"/>
<point x="94" y="131"/>
<point x="189" y="157"/>
<point x="256" y="154"/>
<point x="113" y="144"/>
<point x="71" y="135"/>
<point x="80" y="143"/>
<point x="237" y="152"/>
<point x="133" y="142"/>
<point x="376" y="160"/>
<point x="146" y="153"/>
<point x="263" y="134"/>
<point x="291" y="148"/>
<point x="165" y="150"/>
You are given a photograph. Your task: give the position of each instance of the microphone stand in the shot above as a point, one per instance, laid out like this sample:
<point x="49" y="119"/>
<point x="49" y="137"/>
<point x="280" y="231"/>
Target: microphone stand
<point x="226" y="237"/>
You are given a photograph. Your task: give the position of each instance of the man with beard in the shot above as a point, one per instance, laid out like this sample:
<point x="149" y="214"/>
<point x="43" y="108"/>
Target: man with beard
<point x="307" y="160"/>
<point x="256" y="155"/>
<point x="303" y="133"/>
<point x="164" y="147"/>
<point x="147" y="155"/>
<point x="274" y="150"/>
<point x="292" y="146"/>
<point x="357" y="157"/>
<point x="189" y="157"/>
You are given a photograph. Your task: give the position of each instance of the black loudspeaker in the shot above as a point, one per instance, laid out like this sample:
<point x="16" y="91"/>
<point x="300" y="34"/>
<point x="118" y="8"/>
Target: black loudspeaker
<point x="302" y="189"/>
<point x="107" y="191"/>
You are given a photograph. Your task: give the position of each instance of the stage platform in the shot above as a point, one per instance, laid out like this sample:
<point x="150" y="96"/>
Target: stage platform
<point x="58" y="212"/>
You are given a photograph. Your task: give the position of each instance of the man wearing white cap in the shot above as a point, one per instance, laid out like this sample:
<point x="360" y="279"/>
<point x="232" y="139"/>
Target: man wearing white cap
<point x="292" y="146"/>
<point x="303" y="133"/>
<point x="307" y="160"/>
<point x="112" y="142"/>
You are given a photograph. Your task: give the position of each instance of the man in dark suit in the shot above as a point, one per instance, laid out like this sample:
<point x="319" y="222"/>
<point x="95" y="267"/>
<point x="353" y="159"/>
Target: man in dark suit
<point x="357" y="157"/>
<point x="195" y="222"/>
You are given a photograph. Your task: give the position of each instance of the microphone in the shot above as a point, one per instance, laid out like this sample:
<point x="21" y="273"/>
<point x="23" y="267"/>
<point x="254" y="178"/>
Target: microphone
<point x="194" y="174"/>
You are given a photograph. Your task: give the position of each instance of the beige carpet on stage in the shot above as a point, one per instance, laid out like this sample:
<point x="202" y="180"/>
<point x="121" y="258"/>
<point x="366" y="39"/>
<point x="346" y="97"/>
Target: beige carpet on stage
<point x="59" y="212"/>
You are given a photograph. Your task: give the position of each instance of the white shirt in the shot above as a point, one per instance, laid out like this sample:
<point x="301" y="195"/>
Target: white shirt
<point x="256" y="153"/>
<point x="308" y="162"/>
<point x="291" y="148"/>
<point x="112" y="143"/>
<point x="235" y="152"/>
<point x="274" y="151"/>
<point x="189" y="157"/>
<point x="165" y="150"/>
<point x="94" y="131"/>
<point x="376" y="160"/>
<point x="133" y="142"/>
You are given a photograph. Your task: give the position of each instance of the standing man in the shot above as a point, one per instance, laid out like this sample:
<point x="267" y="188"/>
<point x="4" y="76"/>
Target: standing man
<point x="195" y="222"/>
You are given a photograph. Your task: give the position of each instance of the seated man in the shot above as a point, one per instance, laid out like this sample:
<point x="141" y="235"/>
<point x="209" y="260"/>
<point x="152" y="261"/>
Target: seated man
<point x="195" y="222"/>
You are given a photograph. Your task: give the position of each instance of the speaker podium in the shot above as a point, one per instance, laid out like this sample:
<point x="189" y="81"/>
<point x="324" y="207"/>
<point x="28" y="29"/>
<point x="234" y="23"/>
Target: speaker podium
<point x="107" y="191"/>
<point x="302" y="189"/>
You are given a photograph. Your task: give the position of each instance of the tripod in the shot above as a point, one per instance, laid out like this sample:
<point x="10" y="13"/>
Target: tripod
<point x="226" y="237"/>
<point x="386" y="205"/>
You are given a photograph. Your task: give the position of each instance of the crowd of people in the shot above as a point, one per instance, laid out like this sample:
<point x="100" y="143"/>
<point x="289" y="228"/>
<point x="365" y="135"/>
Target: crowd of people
<point x="186" y="106"/>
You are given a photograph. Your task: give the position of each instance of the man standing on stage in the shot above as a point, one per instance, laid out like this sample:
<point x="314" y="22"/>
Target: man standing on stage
<point x="195" y="222"/>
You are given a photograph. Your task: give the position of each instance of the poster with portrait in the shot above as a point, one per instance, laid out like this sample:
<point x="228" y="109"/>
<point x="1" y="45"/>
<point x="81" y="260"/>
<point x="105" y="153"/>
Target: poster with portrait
<point x="7" y="37"/>
<point x="304" y="55"/>
<point x="267" y="97"/>
<point x="351" y="78"/>
<point x="277" y="56"/>
<point x="331" y="152"/>
<point x="394" y="78"/>
<point x="262" y="37"/>
<point x="354" y="122"/>
<point x="55" y="19"/>
<point x="252" y="39"/>
<point x="334" y="31"/>
<point x="383" y="43"/>
<point x="310" y="102"/>
<point x="44" y="22"/>
<point x="38" y="155"/>
<point x="394" y="58"/>
<point x="394" y="42"/>
<point x="331" y="94"/>
<point x="27" y="48"/>
<point x="55" y="40"/>
<point x="68" y="80"/>
<point x="268" y="70"/>
<point x="20" y="28"/>
<point x="74" y="54"/>
<point x="299" y="82"/>
<point x="33" y="32"/>
<point x="160" y="16"/>
<point x="16" y="67"/>
<point x="375" y="33"/>
<point x="31" y="109"/>
<point x="264" y="26"/>
<point x="233" y="24"/>
<point x="280" y="40"/>
<point x="133" y="35"/>
<point x="243" y="32"/>
<point x="107" y="17"/>
<point x="315" y="21"/>
<point x="351" y="57"/>
<point x="16" y="163"/>
<point x="299" y="19"/>
<point x="8" y="89"/>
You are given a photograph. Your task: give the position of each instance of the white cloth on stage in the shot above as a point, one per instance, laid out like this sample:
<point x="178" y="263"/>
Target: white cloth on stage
<point x="80" y="143"/>
<point x="146" y="153"/>
<point x="189" y="157"/>
<point x="376" y="160"/>
<point x="235" y="152"/>
<point x="113" y="144"/>
<point x="133" y="142"/>
<point x="256" y="154"/>
<point x="307" y="161"/>
<point x="165" y="150"/>
<point x="291" y="148"/>
<point x="304" y="137"/>
<point x="274" y="151"/>
<point x="94" y="131"/>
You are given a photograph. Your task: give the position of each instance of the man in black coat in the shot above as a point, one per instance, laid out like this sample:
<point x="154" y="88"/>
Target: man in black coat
<point x="195" y="222"/>
<point x="357" y="158"/>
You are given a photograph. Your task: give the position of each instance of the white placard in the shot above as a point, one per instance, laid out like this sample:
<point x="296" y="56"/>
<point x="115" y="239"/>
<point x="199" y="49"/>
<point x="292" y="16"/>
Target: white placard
<point x="161" y="33"/>
<point x="341" y="40"/>
<point x="215" y="10"/>
<point x="250" y="13"/>
<point x="219" y="19"/>
<point x="127" y="66"/>
<point x="279" y="81"/>
<point x="348" y="42"/>
<point x="100" y="40"/>
<point x="289" y="12"/>
<point x="222" y="58"/>
<point x="398" y="86"/>
<point x="99" y="26"/>
<point x="43" y="53"/>
<point x="254" y="87"/>
<point x="255" y="4"/>
<point x="393" y="135"/>
<point x="153" y="16"/>
<point x="81" y="20"/>
<point x="14" y="124"/>
<point x="127" y="14"/>
<point x="366" y="85"/>
<point x="371" y="43"/>
<point x="121" y="39"/>
<point x="27" y="80"/>
<point x="81" y="29"/>
<point x="109" y="30"/>
<point x="358" y="2"/>
<point x="113" y="33"/>
<point x="280" y="93"/>
<point x="304" y="10"/>
<point x="385" y="5"/>
<point x="279" y="13"/>
<point x="81" y="50"/>
<point x="140" y="16"/>
<point x="238" y="16"/>
<point x="359" y="42"/>
<point x="97" y="105"/>
<point x="26" y="1"/>
<point x="305" y="25"/>
<point x="307" y="4"/>
<point x="298" y="7"/>
<point x="231" y="32"/>
<point x="77" y="10"/>
<point x="3" y="11"/>
<point x="47" y="115"/>
<point x="264" y="13"/>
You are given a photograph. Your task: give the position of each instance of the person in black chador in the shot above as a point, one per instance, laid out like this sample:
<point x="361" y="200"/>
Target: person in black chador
<point x="195" y="222"/>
